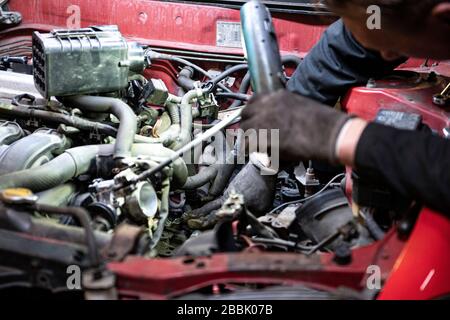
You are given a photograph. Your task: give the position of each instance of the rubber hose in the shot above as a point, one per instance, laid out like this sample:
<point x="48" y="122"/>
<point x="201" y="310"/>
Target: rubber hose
<point x="185" y="78"/>
<point x="201" y="178"/>
<point x="128" y="120"/>
<point x="174" y="113"/>
<point x="58" y="196"/>
<point x="186" y="119"/>
<point x="77" y="161"/>
<point x="229" y="72"/>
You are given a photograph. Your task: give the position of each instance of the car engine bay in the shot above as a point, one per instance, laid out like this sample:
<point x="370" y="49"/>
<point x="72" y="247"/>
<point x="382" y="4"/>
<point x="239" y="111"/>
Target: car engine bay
<point x="113" y="152"/>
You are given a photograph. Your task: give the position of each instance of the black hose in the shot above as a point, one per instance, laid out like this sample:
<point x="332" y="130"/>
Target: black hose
<point x="162" y="56"/>
<point x="234" y="95"/>
<point x="243" y="89"/>
<point x="200" y="179"/>
<point x="290" y="58"/>
<point x="185" y="78"/>
<point x="128" y="120"/>
<point x="228" y="73"/>
<point x="246" y="81"/>
<point x="373" y="227"/>
<point x="245" y="84"/>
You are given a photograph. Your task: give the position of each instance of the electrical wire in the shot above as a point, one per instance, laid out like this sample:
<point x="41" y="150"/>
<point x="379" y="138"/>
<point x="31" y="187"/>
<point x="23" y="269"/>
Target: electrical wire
<point x="342" y="175"/>
<point x="229" y="72"/>
<point x="281" y="242"/>
<point x="163" y="56"/>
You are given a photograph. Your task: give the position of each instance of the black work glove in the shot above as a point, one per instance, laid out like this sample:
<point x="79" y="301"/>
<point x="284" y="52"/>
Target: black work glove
<point x="308" y="129"/>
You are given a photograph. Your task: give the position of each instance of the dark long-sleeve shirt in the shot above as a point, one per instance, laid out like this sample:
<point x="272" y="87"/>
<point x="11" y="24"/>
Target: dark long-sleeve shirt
<point x="414" y="164"/>
<point x="336" y="64"/>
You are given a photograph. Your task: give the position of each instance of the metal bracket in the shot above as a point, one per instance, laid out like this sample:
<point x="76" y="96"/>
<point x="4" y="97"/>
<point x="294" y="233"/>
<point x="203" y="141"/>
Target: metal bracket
<point x="8" y="18"/>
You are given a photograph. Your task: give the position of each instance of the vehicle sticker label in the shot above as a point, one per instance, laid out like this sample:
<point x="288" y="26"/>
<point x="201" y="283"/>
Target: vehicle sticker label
<point x="229" y="34"/>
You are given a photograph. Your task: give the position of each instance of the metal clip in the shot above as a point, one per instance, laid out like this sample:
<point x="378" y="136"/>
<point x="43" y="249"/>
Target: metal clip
<point x="8" y="18"/>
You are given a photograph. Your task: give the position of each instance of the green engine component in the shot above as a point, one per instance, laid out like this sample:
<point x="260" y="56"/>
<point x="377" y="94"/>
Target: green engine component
<point x="84" y="61"/>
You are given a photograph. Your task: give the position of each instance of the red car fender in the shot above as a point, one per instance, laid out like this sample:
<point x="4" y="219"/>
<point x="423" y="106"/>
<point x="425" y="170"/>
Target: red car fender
<point x="422" y="269"/>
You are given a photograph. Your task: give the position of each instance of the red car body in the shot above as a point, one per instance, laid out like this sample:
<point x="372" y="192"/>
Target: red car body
<point x="418" y="268"/>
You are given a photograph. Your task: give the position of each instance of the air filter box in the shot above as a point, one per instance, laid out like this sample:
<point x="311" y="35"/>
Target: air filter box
<point x="84" y="61"/>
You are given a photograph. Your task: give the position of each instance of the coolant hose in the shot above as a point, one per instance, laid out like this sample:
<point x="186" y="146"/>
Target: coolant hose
<point x="128" y="120"/>
<point x="200" y="179"/>
<point x="77" y="161"/>
<point x="58" y="196"/>
<point x="163" y="212"/>
<point x="185" y="78"/>
<point x="187" y="118"/>
<point x="174" y="113"/>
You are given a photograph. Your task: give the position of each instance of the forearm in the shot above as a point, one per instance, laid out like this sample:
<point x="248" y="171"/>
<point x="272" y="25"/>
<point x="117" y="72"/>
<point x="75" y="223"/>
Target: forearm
<point x="415" y="164"/>
<point x="348" y="139"/>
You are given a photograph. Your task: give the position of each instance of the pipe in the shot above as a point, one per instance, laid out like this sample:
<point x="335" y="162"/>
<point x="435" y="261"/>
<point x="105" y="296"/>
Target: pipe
<point x="243" y="89"/>
<point x="162" y="56"/>
<point x="228" y="73"/>
<point x="163" y="212"/>
<point x="225" y="165"/>
<point x="159" y="153"/>
<point x="73" y="121"/>
<point x="371" y="225"/>
<point x="10" y="110"/>
<point x="128" y="120"/>
<point x="200" y="179"/>
<point x="261" y="47"/>
<point x="224" y="173"/>
<point x="174" y="112"/>
<point x="77" y="161"/>
<point x="246" y="81"/>
<point x="58" y="196"/>
<point x="169" y="136"/>
<point x="236" y="96"/>
<point x="187" y="117"/>
<point x="178" y="153"/>
<point x="84" y="219"/>
<point x="47" y="229"/>
<point x="185" y="78"/>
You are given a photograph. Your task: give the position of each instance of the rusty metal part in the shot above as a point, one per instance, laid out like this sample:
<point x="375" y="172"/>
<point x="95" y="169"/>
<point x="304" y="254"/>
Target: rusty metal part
<point x="99" y="285"/>
<point x="230" y="210"/>
<point x="141" y="278"/>
<point x="123" y="242"/>
<point x="347" y="232"/>
<point x="280" y="222"/>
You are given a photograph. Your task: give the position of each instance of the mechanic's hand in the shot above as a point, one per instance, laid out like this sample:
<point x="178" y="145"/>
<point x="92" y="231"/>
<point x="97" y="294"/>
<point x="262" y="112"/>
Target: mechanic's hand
<point x="308" y="129"/>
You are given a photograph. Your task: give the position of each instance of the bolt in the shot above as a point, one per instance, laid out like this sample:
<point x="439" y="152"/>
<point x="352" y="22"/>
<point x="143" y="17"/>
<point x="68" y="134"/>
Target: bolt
<point x="442" y="98"/>
<point x="371" y="83"/>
